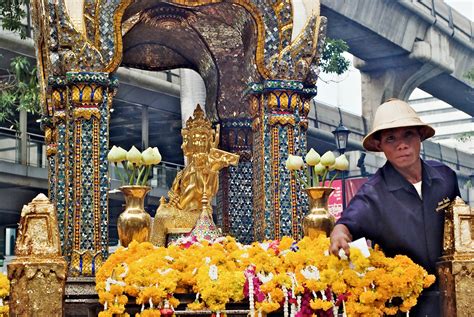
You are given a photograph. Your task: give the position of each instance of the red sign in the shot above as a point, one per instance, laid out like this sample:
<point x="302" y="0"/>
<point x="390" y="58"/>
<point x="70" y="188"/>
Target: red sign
<point x="335" y="200"/>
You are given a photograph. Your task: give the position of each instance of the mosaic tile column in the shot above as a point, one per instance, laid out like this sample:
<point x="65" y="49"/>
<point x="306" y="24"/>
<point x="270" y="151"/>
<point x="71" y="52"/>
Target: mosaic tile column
<point x="234" y="205"/>
<point x="85" y="177"/>
<point x="55" y="128"/>
<point x="279" y="110"/>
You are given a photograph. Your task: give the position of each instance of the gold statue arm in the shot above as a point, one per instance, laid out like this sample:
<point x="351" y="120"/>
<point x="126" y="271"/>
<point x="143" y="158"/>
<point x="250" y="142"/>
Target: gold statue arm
<point x="219" y="159"/>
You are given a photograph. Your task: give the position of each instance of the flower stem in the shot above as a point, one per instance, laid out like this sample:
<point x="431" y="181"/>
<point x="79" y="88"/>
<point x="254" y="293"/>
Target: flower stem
<point x="332" y="179"/>
<point x="308" y="179"/>
<point x="132" y="177"/>
<point x="300" y="180"/>
<point x="140" y="173"/>
<point x="119" y="174"/>
<point x="323" y="180"/>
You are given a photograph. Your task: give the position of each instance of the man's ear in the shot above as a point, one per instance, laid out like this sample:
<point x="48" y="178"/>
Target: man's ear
<point x="377" y="145"/>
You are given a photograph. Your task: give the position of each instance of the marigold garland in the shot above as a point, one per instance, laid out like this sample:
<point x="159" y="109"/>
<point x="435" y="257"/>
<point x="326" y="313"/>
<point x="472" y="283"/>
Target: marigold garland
<point x="300" y="277"/>
<point x="4" y="292"/>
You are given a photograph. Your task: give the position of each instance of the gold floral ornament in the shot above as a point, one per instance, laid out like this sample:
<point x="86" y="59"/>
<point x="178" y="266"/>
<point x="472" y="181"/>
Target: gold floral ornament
<point x="317" y="167"/>
<point x="136" y="165"/>
<point x="4" y="292"/>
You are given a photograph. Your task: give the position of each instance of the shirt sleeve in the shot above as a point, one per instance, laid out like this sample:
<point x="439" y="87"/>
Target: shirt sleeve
<point x="360" y="217"/>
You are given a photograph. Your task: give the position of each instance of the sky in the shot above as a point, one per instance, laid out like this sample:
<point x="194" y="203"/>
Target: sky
<point x="344" y="91"/>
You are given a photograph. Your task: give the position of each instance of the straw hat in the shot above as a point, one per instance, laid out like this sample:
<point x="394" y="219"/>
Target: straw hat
<point x="395" y="113"/>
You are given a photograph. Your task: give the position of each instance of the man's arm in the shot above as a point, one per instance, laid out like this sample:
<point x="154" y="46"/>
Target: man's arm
<point x="340" y="238"/>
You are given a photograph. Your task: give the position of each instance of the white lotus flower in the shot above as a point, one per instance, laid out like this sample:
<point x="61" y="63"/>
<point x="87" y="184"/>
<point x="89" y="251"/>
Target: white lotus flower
<point x="294" y="162"/>
<point x="151" y="156"/>
<point x="341" y="164"/>
<point x="328" y="159"/>
<point x="116" y="154"/>
<point x="319" y="169"/>
<point x="312" y="157"/>
<point x="134" y="156"/>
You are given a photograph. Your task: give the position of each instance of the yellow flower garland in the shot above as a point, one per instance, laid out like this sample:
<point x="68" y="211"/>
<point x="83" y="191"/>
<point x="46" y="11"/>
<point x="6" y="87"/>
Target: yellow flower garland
<point x="4" y="292"/>
<point x="282" y="270"/>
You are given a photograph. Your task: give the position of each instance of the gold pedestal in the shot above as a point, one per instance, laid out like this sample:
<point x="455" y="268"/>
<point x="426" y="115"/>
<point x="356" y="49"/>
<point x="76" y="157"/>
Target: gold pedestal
<point x="37" y="286"/>
<point x="456" y="278"/>
<point x="38" y="274"/>
<point x="456" y="266"/>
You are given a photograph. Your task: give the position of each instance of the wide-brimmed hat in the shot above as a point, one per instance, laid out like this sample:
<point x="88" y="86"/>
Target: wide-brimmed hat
<point x="395" y="113"/>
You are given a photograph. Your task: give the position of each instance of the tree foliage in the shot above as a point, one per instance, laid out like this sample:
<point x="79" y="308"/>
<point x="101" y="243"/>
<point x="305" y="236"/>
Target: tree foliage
<point x="332" y="60"/>
<point x="12" y="12"/>
<point x="19" y="90"/>
<point x="470" y="75"/>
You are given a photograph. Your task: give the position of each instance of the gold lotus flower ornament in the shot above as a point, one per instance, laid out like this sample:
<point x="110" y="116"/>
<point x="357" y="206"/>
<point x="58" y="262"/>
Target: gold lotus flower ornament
<point x="317" y="167"/>
<point x="136" y="165"/>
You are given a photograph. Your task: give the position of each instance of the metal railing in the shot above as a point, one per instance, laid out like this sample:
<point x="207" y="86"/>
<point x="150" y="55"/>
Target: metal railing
<point x="10" y="148"/>
<point x="162" y="176"/>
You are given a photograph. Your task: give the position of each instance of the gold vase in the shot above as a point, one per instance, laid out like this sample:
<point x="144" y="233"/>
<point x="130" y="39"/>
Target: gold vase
<point x="318" y="220"/>
<point x="134" y="223"/>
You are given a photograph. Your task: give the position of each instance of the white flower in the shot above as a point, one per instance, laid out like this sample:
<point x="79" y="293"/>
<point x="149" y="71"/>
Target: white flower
<point x="213" y="272"/>
<point x="265" y="278"/>
<point x="312" y="157"/>
<point x="319" y="169"/>
<point x="310" y="273"/>
<point x="164" y="272"/>
<point x="116" y="154"/>
<point x="341" y="164"/>
<point x="151" y="156"/>
<point x="134" y="156"/>
<point x="328" y="159"/>
<point x="264" y="245"/>
<point x="169" y="258"/>
<point x="157" y="155"/>
<point x="294" y="162"/>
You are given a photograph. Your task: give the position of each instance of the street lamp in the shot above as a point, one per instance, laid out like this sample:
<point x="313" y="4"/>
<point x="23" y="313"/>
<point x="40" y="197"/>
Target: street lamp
<point x="341" y="134"/>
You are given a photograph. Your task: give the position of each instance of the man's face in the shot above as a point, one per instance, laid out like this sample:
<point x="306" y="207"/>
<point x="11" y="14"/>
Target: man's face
<point x="401" y="146"/>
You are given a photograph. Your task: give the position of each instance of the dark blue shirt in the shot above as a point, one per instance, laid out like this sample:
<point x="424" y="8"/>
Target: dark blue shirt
<point x="388" y="210"/>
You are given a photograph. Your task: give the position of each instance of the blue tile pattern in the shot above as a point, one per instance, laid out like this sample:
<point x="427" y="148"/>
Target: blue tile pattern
<point x="103" y="177"/>
<point x="87" y="187"/>
<point x="61" y="185"/>
<point x="269" y="225"/>
<point x="240" y="202"/>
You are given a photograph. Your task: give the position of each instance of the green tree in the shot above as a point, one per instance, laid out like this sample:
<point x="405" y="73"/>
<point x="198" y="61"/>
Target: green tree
<point x="470" y="75"/>
<point x="332" y="60"/>
<point x="11" y="13"/>
<point x="19" y="90"/>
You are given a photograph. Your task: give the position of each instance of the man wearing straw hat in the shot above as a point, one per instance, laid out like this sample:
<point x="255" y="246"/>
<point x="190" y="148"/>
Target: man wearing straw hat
<point x="397" y="207"/>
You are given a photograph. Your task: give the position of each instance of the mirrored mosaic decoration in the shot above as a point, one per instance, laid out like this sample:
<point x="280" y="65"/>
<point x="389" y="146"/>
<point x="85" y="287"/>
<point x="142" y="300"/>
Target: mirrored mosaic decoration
<point x="259" y="78"/>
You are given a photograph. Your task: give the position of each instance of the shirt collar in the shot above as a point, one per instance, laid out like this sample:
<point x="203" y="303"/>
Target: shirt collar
<point x="395" y="180"/>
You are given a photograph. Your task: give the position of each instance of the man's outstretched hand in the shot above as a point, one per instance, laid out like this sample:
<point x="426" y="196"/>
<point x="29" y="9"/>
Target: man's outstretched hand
<point x="340" y="238"/>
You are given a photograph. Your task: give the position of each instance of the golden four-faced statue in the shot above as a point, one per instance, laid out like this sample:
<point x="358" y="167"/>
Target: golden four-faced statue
<point x="194" y="187"/>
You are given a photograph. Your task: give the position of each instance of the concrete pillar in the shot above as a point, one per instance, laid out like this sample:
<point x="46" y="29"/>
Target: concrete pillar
<point x="428" y="58"/>
<point x="145" y="127"/>
<point x="23" y="137"/>
<point x="193" y="92"/>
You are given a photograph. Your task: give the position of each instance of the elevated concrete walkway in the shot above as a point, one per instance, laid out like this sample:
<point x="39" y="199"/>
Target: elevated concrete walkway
<point x="402" y="45"/>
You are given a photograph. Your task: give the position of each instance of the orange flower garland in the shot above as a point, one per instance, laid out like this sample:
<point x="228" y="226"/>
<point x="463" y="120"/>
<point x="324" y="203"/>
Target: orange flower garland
<point x="301" y="275"/>
<point x="4" y="291"/>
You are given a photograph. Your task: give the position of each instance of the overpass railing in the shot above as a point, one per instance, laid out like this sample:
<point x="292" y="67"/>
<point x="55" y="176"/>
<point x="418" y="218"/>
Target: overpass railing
<point x="10" y="148"/>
